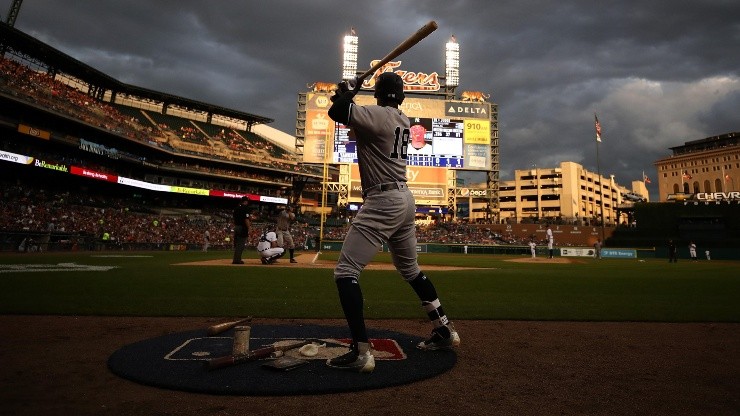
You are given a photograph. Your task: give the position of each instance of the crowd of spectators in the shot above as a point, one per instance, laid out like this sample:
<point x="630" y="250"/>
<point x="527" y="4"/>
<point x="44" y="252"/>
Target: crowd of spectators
<point x="42" y="89"/>
<point x="126" y="221"/>
<point x="192" y="135"/>
<point x="47" y="91"/>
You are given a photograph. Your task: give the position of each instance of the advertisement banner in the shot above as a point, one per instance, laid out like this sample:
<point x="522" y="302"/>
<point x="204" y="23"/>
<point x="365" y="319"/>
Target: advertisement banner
<point x="89" y="173"/>
<point x="477" y="156"/>
<point x="577" y="252"/>
<point x="32" y="131"/>
<point x="319" y="127"/>
<point x="411" y="106"/>
<point x="145" y="185"/>
<point x="190" y="191"/>
<point x="15" y="158"/>
<point x="467" y="109"/>
<point x="618" y="253"/>
<point x="477" y="131"/>
<point x="61" y="167"/>
<point x="428" y="184"/>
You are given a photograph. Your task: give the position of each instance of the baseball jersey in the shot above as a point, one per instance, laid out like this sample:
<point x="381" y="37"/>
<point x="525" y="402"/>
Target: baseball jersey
<point x="382" y="135"/>
<point x="265" y="241"/>
<point x="283" y="220"/>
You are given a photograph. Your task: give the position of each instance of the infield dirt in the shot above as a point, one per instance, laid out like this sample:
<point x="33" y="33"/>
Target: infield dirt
<point x="56" y="365"/>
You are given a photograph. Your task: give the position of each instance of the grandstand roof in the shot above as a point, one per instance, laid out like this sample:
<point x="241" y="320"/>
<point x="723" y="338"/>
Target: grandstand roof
<point x="709" y="143"/>
<point x="53" y="58"/>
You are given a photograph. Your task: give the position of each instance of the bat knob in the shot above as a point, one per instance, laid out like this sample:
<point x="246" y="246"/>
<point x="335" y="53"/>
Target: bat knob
<point x="354" y="84"/>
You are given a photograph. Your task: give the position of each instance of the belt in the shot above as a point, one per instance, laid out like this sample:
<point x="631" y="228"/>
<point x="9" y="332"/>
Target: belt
<point x="388" y="186"/>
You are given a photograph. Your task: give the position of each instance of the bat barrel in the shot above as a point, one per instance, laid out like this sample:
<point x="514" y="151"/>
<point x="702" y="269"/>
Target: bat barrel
<point x="223" y="327"/>
<point x="412" y="40"/>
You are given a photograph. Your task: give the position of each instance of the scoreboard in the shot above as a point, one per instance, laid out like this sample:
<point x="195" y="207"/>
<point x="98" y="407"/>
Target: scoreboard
<point x="444" y="134"/>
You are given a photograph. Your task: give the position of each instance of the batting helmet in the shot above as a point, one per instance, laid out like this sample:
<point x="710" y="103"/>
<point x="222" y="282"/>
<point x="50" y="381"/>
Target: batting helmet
<point x="389" y="85"/>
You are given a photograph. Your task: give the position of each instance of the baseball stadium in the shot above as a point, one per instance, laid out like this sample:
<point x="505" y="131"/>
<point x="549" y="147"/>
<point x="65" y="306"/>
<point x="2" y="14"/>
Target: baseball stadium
<point x="117" y="235"/>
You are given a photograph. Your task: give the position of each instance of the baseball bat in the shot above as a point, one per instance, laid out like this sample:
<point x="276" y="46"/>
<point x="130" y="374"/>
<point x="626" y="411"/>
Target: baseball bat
<point x="315" y="257"/>
<point x="254" y="355"/>
<point x="412" y="40"/>
<point x="223" y="327"/>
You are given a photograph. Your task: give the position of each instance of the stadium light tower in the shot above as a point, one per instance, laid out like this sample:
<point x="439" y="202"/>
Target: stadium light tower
<point x="349" y="64"/>
<point x="15" y="8"/>
<point x="452" y="62"/>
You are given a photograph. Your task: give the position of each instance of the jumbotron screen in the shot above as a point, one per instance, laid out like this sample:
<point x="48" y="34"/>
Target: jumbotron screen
<point x="447" y="134"/>
<point x="434" y="142"/>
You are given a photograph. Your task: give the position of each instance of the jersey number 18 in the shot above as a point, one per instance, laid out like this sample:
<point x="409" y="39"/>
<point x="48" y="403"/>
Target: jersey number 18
<point x="404" y="137"/>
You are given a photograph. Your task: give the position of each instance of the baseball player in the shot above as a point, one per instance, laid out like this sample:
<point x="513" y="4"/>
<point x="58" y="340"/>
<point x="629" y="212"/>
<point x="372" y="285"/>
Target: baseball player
<point x="284" y="238"/>
<point x="242" y="222"/>
<point x="387" y="215"/>
<point x="268" y="248"/>
<point x="533" y="248"/>
<point x="692" y="251"/>
<point x="550" y="240"/>
<point x="206" y="240"/>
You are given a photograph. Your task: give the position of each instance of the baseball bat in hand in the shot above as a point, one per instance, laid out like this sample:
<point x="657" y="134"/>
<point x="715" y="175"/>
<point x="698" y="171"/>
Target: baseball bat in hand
<point x="223" y="327"/>
<point x="412" y="40"/>
<point x="254" y="355"/>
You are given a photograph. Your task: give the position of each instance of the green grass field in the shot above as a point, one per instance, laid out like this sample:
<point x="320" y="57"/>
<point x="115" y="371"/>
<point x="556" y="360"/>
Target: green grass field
<point x="151" y="285"/>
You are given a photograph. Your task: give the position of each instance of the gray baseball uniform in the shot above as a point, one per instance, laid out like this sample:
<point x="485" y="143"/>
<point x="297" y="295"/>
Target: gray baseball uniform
<point x="284" y="237"/>
<point x="387" y="213"/>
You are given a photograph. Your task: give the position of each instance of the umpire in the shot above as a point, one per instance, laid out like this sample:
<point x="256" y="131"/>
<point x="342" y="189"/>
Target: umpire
<point x="242" y="222"/>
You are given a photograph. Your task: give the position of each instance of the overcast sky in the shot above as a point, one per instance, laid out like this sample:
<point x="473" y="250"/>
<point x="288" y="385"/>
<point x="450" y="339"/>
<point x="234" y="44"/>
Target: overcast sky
<point x="658" y="73"/>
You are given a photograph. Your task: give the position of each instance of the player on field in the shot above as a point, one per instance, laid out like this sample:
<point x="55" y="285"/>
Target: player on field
<point x="268" y="248"/>
<point x="387" y="215"/>
<point x="284" y="237"/>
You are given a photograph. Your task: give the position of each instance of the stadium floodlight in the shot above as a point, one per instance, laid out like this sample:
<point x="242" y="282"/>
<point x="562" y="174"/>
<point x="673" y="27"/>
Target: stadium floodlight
<point x="349" y="64"/>
<point x="452" y="62"/>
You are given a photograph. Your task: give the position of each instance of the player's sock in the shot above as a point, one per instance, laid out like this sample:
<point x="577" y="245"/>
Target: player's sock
<point x="292" y="253"/>
<point x="350" y="296"/>
<point x="429" y="301"/>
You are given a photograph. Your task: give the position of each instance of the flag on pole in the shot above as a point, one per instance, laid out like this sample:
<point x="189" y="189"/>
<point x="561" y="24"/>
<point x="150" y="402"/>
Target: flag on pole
<point x="686" y="175"/>
<point x="645" y="178"/>
<point x="598" y="128"/>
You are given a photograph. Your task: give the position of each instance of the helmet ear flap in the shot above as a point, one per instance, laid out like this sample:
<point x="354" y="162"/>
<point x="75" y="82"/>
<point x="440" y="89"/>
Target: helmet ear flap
<point x="389" y="86"/>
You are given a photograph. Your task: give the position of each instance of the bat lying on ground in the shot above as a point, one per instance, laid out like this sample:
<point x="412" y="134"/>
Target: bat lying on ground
<point x="231" y="360"/>
<point x="223" y="327"/>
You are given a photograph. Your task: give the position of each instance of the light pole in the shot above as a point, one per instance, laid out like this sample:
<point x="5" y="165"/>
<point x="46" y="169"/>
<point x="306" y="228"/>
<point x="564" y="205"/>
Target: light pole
<point x="537" y="191"/>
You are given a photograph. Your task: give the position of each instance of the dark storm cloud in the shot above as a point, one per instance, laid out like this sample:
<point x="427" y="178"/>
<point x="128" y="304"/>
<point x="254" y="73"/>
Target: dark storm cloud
<point x="658" y="73"/>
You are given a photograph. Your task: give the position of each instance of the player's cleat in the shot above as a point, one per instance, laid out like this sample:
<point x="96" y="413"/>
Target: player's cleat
<point x="293" y="261"/>
<point x="237" y="262"/>
<point x="440" y="340"/>
<point x="358" y="359"/>
<point x="263" y="260"/>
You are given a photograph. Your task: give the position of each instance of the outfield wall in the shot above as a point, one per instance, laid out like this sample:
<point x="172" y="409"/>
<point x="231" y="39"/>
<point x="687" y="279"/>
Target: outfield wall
<point x="716" y="253"/>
